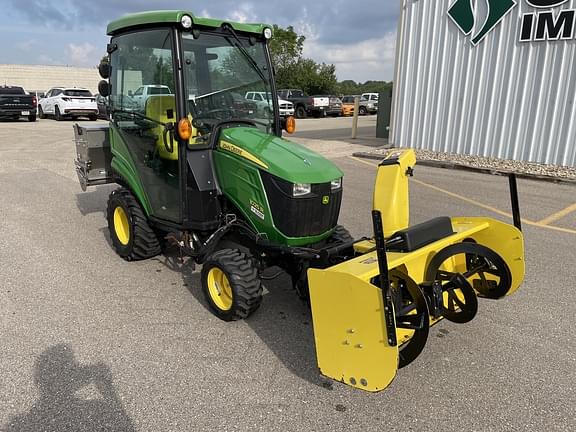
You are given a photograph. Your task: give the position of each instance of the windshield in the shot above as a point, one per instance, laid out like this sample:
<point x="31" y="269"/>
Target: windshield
<point x="219" y="79"/>
<point x="78" y="93"/>
<point x="159" y="91"/>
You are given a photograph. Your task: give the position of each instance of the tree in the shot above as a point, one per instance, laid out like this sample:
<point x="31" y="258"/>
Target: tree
<point x="286" y="47"/>
<point x="295" y="71"/>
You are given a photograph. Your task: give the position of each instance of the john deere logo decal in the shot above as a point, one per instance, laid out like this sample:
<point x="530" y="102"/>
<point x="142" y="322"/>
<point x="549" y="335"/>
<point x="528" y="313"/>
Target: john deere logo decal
<point x="463" y="15"/>
<point x="534" y="26"/>
<point x="325" y="199"/>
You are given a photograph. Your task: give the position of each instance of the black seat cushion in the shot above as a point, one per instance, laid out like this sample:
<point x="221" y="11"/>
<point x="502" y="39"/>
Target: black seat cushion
<point x="417" y="236"/>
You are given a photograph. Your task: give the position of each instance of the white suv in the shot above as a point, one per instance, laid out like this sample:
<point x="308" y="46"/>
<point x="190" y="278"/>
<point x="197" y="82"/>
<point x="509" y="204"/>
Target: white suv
<point x="262" y="98"/>
<point x="62" y="102"/>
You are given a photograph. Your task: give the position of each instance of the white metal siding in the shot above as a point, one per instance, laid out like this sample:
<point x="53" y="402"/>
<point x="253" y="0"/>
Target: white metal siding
<point x="501" y="98"/>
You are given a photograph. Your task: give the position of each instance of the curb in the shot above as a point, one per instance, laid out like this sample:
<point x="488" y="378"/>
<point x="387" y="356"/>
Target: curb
<point x="457" y="166"/>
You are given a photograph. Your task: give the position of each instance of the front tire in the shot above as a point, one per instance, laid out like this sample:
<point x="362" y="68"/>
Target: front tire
<point x="132" y="237"/>
<point x="41" y="112"/>
<point x="231" y="284"/>
<point x="362" y="111"/>
<point x="340" y="235"/>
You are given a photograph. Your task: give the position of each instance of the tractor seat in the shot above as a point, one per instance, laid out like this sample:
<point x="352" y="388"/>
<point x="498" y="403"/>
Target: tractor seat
<point x="162" y="108"/>
<point x="420" y="235"/>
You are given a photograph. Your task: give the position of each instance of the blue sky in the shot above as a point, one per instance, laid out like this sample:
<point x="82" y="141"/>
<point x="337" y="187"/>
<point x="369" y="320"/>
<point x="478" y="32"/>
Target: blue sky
<point x="358" y="37"/>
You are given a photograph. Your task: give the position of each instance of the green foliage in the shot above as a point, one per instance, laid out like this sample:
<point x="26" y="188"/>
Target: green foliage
<point x="286" y="47"/>
<point x="295" y="71"/>
<point x="350" y="87"/>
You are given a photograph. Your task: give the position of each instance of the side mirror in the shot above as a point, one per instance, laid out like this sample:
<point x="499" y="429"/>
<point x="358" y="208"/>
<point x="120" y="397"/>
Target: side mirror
<point x="104" y="70"/>
<point x="104" y="88"/>
<point x="130" y="93"/>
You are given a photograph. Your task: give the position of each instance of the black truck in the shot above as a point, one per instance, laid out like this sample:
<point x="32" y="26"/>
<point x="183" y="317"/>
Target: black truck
<point x="305" y="105"/>
<point x="16" y="103"/>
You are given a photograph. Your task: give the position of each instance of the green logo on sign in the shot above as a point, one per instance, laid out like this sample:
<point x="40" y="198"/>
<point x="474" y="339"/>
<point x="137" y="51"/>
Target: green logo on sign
<point x="462" y="13"/>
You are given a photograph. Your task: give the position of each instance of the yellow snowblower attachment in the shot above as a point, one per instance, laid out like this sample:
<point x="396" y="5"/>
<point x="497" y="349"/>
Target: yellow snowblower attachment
<point x="372" y="313"/>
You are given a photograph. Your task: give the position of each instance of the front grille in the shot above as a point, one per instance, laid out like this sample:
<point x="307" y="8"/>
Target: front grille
<point x="303" y="216"/>
<point x="286" y="106"/>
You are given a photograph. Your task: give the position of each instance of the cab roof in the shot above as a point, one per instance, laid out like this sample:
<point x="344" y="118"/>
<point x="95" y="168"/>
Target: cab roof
<point x="151" y="18"/>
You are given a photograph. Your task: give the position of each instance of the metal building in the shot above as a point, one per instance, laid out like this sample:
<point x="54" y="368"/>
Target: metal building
<point x="494" y="78"/>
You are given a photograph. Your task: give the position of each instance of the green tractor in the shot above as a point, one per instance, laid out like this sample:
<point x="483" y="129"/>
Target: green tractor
<point x="200" y="164"/>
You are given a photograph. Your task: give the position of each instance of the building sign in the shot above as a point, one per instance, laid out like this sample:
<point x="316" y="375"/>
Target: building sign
<point x="542" y="24"/>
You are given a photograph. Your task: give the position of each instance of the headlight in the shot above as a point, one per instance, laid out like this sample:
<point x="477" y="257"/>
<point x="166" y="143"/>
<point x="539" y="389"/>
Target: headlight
<point x="336" y="184"/>
<point x="301" y="189"/>
<point x="186" y="21"/>
<point x="370" y="105"/>
<point x="268" y="33"/>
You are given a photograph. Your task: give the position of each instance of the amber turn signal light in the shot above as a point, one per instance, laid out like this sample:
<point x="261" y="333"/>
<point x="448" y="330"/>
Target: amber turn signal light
<point x="290" y="125"/>
<point x="184" y="129"/>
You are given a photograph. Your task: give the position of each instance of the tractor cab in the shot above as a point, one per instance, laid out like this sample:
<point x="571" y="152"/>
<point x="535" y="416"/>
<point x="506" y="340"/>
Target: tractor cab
<point x="175" y="81"/>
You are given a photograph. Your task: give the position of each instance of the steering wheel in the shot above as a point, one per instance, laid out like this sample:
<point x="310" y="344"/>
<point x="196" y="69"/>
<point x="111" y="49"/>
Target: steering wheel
<point x="219" y="113"/>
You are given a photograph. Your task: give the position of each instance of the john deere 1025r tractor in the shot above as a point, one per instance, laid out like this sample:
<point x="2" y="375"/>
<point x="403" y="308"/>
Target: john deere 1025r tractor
<point x="198" y="163"/>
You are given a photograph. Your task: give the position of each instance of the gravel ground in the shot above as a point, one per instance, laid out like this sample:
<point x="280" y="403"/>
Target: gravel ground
<point x="499" y="165"/>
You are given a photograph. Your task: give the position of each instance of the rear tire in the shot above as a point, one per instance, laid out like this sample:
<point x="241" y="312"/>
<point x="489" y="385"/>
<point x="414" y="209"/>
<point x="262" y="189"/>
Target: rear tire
<point x="132" y="237"/>
<point x="93" y="117"/>
<point x="231" y="284"/>
<point x="362" y="111"/>
<point x="57" y="114"/>
<point x="32" y="118"/>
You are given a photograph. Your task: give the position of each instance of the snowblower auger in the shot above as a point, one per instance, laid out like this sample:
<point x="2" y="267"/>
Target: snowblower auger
<point x="372" y="313"/>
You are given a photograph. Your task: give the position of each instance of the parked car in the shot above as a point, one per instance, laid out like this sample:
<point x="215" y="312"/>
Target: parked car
<point x="364" y="106"/>
<point x="348" y="105"/>
<point x="103" y="106"/>
<point x="334" y="107"/>
<point x="62" y="102"/>
<point x="372" y="99"/>
<point x="262" y="101"/>
<point x="16" y="103"/>
<point x="305" y="105"/>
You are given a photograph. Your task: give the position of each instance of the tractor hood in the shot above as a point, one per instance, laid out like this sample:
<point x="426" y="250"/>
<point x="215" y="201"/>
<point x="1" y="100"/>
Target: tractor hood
<point x="278" y="156"/>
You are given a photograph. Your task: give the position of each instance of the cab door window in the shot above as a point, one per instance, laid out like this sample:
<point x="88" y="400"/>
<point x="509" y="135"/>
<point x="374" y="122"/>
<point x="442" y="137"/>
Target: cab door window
<point x="143" y="61"/>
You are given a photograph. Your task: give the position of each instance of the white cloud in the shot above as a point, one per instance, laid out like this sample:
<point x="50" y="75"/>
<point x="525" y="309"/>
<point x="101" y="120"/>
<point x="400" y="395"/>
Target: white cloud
<point x="372" y="59"/>
<point x="244" y="13"/>
<point x="82" y="55"/>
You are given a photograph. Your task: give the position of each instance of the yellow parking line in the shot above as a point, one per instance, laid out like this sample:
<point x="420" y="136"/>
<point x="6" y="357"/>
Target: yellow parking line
<point x="487" y="207"/>
<point x="558" y="215"/>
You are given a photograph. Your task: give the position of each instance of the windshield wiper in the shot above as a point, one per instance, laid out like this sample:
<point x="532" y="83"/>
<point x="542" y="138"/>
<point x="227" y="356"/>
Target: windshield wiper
<point x="249" y="59"/>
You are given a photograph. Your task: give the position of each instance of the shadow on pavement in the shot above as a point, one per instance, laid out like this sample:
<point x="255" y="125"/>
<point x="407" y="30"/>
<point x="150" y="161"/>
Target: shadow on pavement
<point x="93" y="200"/>
<point x="73" y="397"/>
<point x="283" y="322"/>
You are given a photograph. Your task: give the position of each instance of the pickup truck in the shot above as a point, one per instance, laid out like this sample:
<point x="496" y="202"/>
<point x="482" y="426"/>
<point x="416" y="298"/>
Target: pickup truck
<point x="16" y="103"/>
<point x="305" y="105"/>
<point x="141" y="95"/>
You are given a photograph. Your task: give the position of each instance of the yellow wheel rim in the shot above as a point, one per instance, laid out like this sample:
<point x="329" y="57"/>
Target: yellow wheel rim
<point x="121" y="226"/>
<point x="219" y="289"/>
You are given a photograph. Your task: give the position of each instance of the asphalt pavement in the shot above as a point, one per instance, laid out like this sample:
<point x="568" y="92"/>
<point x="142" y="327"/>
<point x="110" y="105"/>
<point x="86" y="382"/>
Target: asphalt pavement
<point x="91" y="342"/>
